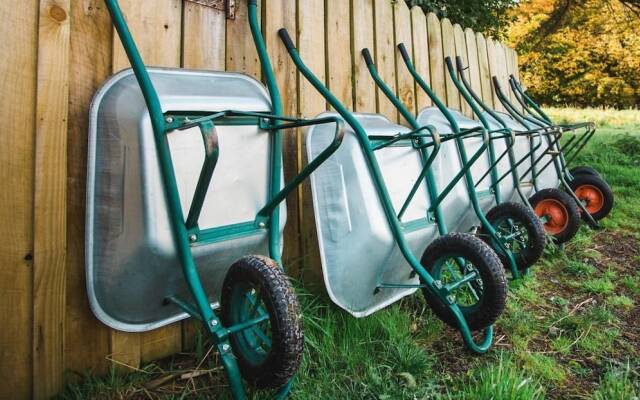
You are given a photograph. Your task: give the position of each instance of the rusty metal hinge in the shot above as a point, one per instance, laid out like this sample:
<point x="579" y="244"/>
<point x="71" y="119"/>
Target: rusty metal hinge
<point x="228" y="6"/>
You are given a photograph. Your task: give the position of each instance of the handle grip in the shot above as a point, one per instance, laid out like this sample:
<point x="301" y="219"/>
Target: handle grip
<point x="496" y="83"/>
<point x="449" y="63"/>
<point x="403" y="52"/>
<point x="286" y="39"/>
<point x="253" y="2"/>
<point x="366" y="54"/>
<point x="459" y="64"/>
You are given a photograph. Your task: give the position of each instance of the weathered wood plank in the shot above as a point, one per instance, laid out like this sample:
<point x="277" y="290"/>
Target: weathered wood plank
<point x="282" y="14"/>
<point x="364" y="91"/>
<point x="240" y="50"/>
<point x="86" y="339"/>
<point x="420" y="55"/>
<point x="203" y="37"/>
<point x="49" y="225"/>
<point x="501" y="70"/>
<point x="311" y="44"/>
<point x="485" y="72"/>
<point x="339" y="59"/>
<point x="17" y="122"/>
<point x="461" y="51"/>
<point x="449" y="50"/>
<point x="473" y="71"/>
<point x="436" y="57"/>
<point x="492" y="56"/>
<point x="404" y="80"/>
<point x="385" y="55"/>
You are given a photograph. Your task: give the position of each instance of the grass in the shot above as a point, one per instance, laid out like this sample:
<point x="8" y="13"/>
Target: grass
<point x="570" y="329"/>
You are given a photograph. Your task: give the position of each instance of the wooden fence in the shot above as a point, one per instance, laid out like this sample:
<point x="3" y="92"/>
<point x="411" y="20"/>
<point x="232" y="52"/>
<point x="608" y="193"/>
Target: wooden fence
<point x="56" y="55"/>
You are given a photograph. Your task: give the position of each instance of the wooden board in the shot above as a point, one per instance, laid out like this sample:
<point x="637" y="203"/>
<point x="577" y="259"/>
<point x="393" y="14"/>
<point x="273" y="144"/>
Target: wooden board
<point x="494" y="62"/>
<point x="282" y="14"/>
<point x="436" y="58"/>
<point x="449" y="50"/>
<point x="339" y="57"/>
<point x="86" y="339"/>
<point x="385" y="55"/>
<point x="461" y="51"/>
<point x="420" y="55"/>
<point x="49" y="225"/>
<point x="473" y="64"/>
<point x="485" y="73"/>
<point x="404" y="81"/>
<point x="240" y="50"/>
<point x="311" y="45"/>
<point x="364" y="91"/>
<point x="203" y="37"/>
<point x="150" y="24"/>
<point x="17" y="121"/>
<point x="501" y="71"/>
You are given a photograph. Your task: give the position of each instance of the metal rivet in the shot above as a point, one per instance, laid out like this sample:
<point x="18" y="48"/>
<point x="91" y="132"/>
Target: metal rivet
<point x="262" y="224"/>
<point x="225" y="347"/>
<point x="169" y="120"/>
<point x="214" y="322"/>
<point x="193" y="238"/>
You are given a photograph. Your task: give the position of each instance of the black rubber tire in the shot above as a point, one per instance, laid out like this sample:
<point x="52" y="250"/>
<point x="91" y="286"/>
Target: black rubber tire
<point x="492" y="275"/>
<point x="584" y="170"/>
<point x="526" y="218"/>
<point x="602" y="186"/>
<point x="570" y="207"/>
<point x="285" y="319"/>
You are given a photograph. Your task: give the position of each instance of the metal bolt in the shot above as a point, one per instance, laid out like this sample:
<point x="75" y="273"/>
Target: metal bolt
<point x="225" y="347"/>
<point x="451" y="299"/>
<point x="437" y="284"/>
<point x="262" y="224"/>
<point x="214" y="322"/>
<point x="169" y="120"/>
<point x="193" y="238"/>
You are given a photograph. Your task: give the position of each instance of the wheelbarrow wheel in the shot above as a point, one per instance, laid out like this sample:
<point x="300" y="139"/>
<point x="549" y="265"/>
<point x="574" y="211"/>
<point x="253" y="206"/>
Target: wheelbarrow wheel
<point x="268" y="353"/>
<point x="480" y="300"/>
<point x="594" y="193"/>
<point x="522" y="230"/>
<point x="561" y="212"/>
<point x="584" y="170"/>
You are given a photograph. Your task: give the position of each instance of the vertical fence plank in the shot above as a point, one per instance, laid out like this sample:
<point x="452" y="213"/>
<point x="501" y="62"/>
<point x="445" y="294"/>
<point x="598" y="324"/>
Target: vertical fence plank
<point x="485" y="74"/>
<point x="151" y="24"/>
<point x="49" y="238"/>
<point x="405" y="83"/>
<point x="385" y="55"/>
<point x="512" y="69"/>
<point x="436" y="58"/>
<point x="338" y="51"/>
<point x="311" y="44"/>
<point x="282" y="14"/>
<point x="240" y="50"/>
<point x="364" y="91"/>
<point x="461" y="51"/>
<point x="501" y="68"/>
<point x="203" y="37"/>
<point x="449" y="50"/>
<point x="86" y="339"/>
<point x="420" y="55"/>
<point x="493" y="70"/>
<point x="473" y="64"/>
<point x="17" y="121"/>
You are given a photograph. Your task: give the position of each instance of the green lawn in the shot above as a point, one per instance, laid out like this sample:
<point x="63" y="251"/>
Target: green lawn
<point x="571" y="328"/>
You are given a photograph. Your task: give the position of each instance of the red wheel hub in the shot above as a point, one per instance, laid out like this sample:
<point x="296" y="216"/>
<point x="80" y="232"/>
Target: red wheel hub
<point x="591" y="196"/>
<point x="556" y="213"/>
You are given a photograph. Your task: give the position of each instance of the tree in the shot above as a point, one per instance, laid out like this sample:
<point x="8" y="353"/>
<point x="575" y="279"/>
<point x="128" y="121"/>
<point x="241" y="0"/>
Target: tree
<point x="490" y="17"/>
<point x="580" y="52"/>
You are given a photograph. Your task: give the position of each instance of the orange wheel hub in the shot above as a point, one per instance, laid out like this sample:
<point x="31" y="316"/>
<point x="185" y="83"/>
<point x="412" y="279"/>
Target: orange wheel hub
<point x="591" y="196"/>
<point x="556" y="213"/>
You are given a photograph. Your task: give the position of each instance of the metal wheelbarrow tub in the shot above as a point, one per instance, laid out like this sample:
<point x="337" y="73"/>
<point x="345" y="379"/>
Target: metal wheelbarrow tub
<point x="131" y="263"/>
<point x="451" y="161"/>
<point x="357" y="249"/>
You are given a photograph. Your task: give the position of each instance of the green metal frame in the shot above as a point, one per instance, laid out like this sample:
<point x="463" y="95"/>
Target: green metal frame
<point x="396" y="226"/>
<point x="458" y="136"/>
<point x="186" y="233"/>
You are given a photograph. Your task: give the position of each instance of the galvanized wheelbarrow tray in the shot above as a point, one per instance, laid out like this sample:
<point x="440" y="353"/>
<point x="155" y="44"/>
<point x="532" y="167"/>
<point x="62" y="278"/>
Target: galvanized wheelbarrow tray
<point x="185" y="197"/>
<point x="375" y="215"/>
<point x="511" y="229"/>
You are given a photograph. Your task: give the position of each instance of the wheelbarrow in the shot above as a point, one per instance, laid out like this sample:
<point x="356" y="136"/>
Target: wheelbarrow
<point x="556" y="209"/>
<point x="593" y="192"/>
<point x="511" y="229"/>
<point x="597" y="195"/>
<point x="179" y="225"/>
<point x="369" y="250"/>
